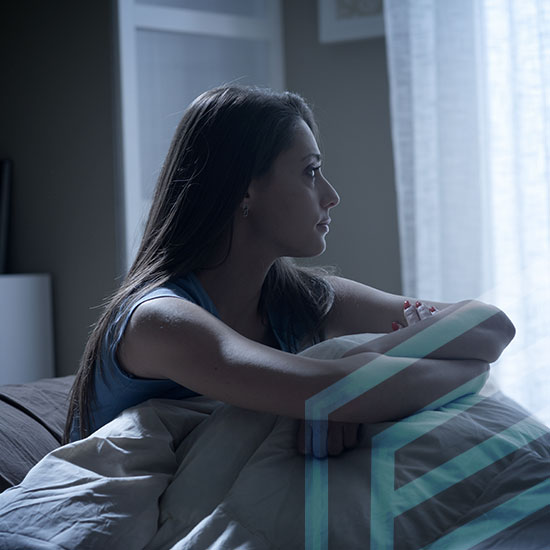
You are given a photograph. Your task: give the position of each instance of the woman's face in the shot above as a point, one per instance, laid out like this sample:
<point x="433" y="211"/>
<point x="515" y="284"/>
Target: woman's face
<point x="289" y="206"/>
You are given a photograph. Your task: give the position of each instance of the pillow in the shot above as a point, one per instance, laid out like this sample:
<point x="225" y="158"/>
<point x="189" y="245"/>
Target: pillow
<point x="45" y="400"/>
<point x="24" y="443"/>
<point x="32" y="419"/>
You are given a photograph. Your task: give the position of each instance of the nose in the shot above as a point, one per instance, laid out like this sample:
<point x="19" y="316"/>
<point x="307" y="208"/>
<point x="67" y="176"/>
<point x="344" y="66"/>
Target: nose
<point x="330" y="196"/>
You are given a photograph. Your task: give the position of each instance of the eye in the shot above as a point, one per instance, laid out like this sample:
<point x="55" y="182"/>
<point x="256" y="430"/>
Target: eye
<point x="311" y="170"/>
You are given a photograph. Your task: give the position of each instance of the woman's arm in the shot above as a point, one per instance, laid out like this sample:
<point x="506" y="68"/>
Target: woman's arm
<point x="359" y="308"/>
<point x="483" y="341"/>
<point x="173" y="338"/>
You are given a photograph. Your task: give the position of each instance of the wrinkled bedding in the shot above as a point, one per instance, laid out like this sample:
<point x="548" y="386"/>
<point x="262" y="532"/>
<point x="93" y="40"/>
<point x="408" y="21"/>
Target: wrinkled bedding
<point x="199" y="474"/>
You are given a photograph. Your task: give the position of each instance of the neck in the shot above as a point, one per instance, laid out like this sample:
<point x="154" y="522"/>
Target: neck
<point x="235" y="287"/>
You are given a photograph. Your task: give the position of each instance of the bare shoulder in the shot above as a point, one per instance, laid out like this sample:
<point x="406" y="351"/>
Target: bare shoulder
<point x="360" y="308"/>
<point x="147" y="346"/>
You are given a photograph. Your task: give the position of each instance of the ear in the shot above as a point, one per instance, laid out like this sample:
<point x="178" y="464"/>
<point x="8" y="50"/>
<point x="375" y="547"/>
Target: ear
<point x="245" y="198"/>
<point x="253" y="187"/>
<point x="256" y="189"/>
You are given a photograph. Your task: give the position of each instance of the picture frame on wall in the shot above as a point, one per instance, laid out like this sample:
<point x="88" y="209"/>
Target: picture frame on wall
<point x="342" y="20"/>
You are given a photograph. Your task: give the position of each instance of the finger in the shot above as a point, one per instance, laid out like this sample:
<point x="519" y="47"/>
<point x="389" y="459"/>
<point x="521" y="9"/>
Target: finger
<point x="411" y="316"/>
<point x="318" y="430"/>
<point x="351" y="434"/>
<point x="301" y="442"/>
<point x="423" y="310"/>
<point x="335" y="438"/>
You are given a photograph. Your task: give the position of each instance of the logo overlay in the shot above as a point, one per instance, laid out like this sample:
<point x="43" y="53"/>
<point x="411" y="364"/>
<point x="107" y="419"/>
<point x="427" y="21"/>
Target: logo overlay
<point x="388" y="502"/>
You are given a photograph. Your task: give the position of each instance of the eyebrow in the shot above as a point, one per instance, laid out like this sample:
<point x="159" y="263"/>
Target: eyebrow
<point x="316" y="156"/>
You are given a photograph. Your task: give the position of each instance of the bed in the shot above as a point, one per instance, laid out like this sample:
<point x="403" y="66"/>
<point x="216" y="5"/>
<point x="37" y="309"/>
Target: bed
<point x="470" y="472"/>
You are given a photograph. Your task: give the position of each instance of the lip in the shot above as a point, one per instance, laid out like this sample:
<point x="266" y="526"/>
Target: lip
<point x="324" y="225"/>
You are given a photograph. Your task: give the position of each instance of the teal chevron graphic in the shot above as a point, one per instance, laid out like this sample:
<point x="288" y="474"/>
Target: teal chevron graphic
<point x="386" y="502"/>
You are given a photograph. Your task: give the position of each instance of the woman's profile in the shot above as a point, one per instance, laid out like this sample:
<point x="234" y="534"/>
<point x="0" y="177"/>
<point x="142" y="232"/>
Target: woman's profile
<point x="215" y="305"/>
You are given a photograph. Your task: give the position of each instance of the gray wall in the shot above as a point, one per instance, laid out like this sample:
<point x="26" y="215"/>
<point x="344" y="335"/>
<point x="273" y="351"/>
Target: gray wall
<point x="56" y="119"/>
<point x="347" y="83"/>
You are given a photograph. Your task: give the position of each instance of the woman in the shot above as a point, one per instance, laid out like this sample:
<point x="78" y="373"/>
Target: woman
<point x="213" y="305"/>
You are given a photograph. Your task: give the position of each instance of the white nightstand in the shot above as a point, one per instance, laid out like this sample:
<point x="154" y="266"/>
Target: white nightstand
<point x="26" y="328"/>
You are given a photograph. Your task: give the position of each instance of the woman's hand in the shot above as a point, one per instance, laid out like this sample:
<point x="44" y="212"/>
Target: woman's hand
<point x="414" y="314"/>
<point x="322" y="438"/>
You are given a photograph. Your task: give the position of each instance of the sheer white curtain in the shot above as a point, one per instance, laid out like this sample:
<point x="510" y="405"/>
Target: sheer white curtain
<point x="470" y="106"/>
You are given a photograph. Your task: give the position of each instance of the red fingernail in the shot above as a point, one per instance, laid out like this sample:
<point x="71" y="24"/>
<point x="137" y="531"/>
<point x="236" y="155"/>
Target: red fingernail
<point x="406" y="304"/>
<point x="432" y="309"/>
<point x="418" y="304"/>
<point x="394" y="325"/>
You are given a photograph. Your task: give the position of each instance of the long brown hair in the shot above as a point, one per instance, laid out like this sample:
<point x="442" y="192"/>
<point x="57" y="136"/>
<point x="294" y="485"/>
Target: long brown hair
<point x="227" y="137"/>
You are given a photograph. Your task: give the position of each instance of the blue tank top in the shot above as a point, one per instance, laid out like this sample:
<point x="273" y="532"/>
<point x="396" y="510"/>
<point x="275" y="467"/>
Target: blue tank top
<point x="117" y="389"/>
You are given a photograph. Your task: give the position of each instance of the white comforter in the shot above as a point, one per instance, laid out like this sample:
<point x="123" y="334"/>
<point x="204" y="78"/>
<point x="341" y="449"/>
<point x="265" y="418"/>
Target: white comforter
<point x="198" y="474"/>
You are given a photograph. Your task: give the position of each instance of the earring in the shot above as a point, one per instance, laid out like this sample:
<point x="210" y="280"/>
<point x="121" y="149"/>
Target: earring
<point x="245" y="211"/>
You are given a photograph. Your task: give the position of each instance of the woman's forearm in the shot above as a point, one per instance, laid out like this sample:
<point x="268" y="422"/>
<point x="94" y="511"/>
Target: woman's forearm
<point x="465" y="330"/>
<point x="405" y="386"/>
